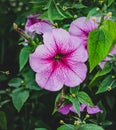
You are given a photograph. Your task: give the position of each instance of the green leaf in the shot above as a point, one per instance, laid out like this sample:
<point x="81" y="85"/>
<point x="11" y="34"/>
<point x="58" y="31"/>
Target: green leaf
<point x="19" y="97"/>
<point x="76" y="104"/>
<point x="107" y="68"/>
<point x="106" y="123"/>
<point x="32" y="85"/>
<point x="54" y="12"/>
<point x="107" y="84"/>
<point x="92" y="12"/>
<point x="110" y="26"/>
<point x="91" y="127"/>
<point x="58" y="102"/>
<point x="78" y="6"/>
<point x="74" y="90"/>
<point x="47" y="5"/>
<point x="40" y="129"/>
<point x="99" y="45"/>
<point x="15" y="82"/>
<point x="24" y="55"/>
<point x="66" y="127"/>
<point x="84" y="98"/>
<point x="110" y="2"/>
<point x="3" y="121"/>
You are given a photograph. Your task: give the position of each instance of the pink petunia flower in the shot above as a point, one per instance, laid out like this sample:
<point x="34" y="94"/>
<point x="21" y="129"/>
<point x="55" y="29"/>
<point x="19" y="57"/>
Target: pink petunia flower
<point x="59" y="61"/>
<point x="113" y="51"/>
<point x="65" y="109"/>
<point x="81" y="27"/>
<point x="35" y="25"/>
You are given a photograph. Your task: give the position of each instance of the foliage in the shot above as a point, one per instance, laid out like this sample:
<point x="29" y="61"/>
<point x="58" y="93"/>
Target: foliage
<point x="23" y="104"/>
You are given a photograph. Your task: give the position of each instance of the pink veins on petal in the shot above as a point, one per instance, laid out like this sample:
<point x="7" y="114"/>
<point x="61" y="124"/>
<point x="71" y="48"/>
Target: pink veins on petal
<point x="81" y="27"/>
<point x="59" y="61"/>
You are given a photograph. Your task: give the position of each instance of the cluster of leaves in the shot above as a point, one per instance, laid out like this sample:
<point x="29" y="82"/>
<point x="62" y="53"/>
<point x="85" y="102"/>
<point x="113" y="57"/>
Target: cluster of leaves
<point x="32" y="109"/>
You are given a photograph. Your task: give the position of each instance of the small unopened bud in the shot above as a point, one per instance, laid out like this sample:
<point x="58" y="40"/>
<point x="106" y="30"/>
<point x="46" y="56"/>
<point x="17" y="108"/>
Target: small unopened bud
<point x="15" y="26"/>
<point x="97" y="9"/>
<point x="109" y="14"/>
<point x="64" y="8"/>
<point x="76" y="122"/>
<point x="22" y="82"/>
<point x="57" y="4"/>
<point x="109" y="88"/>
<point x="7" y="72"/>
<point x="94" y="19"/>
<point x="113" y="76"/>
<point x="101" y="1"/>
<point x="87" y="116"/>
<point x="56" y="25"/>
<point x="75" y="16"/>
<point x="61" y="122"/>
<point x="84" y="122"/>
<point x="73" y="95"/>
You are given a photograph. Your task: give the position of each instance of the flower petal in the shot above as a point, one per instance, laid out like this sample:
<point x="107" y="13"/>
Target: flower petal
<point x="82" y="26"/>
<point x="61" y="38"/>
<point x="48" y="78"/>
<point x="82" y="107"/>
<point x="73" y="74"/>
<point x="65" y="109"/>
<point x="93" y="110"/>
<point x="79" y="55"/>
<point x="40" y="27"/>
<point x="40" y="58"/>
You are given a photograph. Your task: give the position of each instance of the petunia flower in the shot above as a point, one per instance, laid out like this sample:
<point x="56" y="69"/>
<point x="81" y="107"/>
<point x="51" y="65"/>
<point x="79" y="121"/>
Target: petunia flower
<point x="81" y="27"/>
<point x="35" y="25"/>
<point x="65" y="109"/>
<point x="59" y="61"/>
<point x="113" y="51"/>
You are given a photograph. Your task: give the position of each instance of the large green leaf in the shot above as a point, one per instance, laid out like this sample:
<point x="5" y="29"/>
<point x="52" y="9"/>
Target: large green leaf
<point x="99" y="45"/>
<point x="84" y="98"/>
<point x="110" y="26"/>
<point x="24" y="55"/>
<point x="91" y="127"/>
<point x="19" y="97"/>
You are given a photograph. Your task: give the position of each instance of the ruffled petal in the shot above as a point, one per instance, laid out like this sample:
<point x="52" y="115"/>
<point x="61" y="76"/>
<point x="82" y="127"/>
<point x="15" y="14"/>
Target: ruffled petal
<point x="48" y="78"/>
<point x="40" y="27"/>
<point x="49" y="42"/>
<point x="62" y="39"/>
<point x="65" y="109"/>
<point x="93" y="110"/>
<point x="82" y="26"/>
<point x="82" y="107"/>
<point x="78" y="55"/>
<point x="73" y="74"/>
<point x="40" y="58"/>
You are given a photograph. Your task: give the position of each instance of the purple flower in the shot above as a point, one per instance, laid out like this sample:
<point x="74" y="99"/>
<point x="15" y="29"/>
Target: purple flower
<point x="81" y="27"/>
<point x="65" y="109"/>
<point x="59" y="61"/>
<point x="113" y="51"/>
<point x="35" y="25"/>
